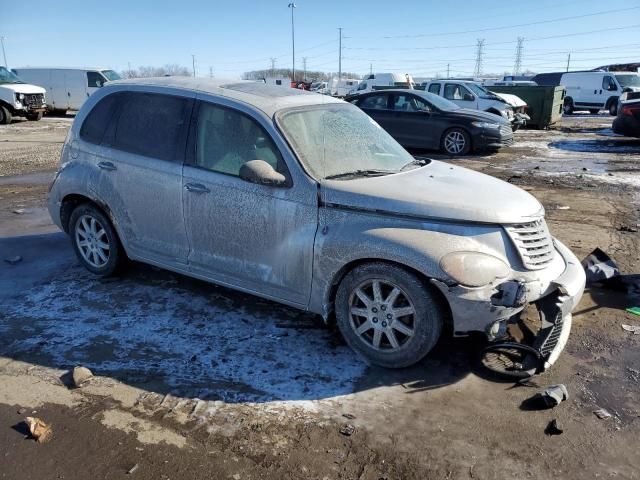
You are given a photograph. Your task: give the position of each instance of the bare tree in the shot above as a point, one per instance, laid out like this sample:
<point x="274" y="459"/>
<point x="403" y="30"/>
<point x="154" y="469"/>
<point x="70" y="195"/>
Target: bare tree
<point x="150" y="71"/>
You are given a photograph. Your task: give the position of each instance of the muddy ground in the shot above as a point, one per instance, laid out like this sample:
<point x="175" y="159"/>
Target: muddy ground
<point x="197" y="381"/>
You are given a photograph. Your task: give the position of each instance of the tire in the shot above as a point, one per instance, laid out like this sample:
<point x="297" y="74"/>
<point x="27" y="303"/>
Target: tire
<point x="379" y="342"/>
<point x="455" y="141"/>
<point x="5" y="116"/>
<point x="594" y="111"/>
<point x="34" y="117"/>
<point x="97" y="229"/>
<point x="514" y="128"/>
<point x="613" y="108"/>
<point x="567" y="107"/>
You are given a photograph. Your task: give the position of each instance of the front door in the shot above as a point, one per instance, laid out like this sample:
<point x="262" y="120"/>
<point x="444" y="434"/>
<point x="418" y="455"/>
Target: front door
<point x="413" y="120"/>
<point x="460" y="95"/>
<point x="378" y="107"/>
<point x="254" y="237"/>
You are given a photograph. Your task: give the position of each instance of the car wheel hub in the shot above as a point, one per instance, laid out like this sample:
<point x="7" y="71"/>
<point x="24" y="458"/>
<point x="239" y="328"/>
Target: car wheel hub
<point x="382" y="315"/>
<point x="454" y="142"/>
<point x="92" y="241"/>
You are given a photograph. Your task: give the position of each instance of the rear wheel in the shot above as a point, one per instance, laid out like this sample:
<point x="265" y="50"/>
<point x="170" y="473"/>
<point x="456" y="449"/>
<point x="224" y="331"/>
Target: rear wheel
<point x="34" y="117"/>
<point x="567" y="107"/>
<point x="456" y="141"/>
<point x="613" y="108"/>
<point x="5" y="115"/>
<point x="95" y="241"/>
<point x="388" y="315"/>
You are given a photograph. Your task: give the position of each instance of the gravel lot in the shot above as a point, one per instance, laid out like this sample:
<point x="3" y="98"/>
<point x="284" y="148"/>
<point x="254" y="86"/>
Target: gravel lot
<point x="197" y="381"/>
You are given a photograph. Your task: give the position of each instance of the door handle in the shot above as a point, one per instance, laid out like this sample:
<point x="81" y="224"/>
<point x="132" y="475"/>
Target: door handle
<point x="196" y="188"/>
<point x="108" y="166"/>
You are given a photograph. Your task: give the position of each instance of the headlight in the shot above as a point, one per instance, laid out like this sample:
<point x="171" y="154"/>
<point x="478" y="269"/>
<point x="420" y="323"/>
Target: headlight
<point x="473" y="269"/>
<point x="485" y="124"/>
<point x="19" y="97"/>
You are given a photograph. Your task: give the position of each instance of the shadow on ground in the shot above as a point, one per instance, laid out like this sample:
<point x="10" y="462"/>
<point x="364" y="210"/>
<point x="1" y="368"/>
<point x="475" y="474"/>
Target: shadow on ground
<point x="608" y="145"/>
<point x="168" y="333"/>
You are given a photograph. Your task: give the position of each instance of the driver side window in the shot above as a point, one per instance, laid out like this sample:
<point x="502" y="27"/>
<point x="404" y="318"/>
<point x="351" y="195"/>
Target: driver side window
<point x="226" y="139"/>
<point x="454" y="92"/>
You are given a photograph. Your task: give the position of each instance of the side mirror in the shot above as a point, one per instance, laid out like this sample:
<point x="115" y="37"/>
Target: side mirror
<point x="260" y="172"/>
<point x="469" y="97"/>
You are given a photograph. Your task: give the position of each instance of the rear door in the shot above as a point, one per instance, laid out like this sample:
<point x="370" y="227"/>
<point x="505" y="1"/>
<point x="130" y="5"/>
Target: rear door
<point x="141" y="166"/>
<point x="59" y="100"/>
<point x="76" y="84"/>
<point x="254" y="237"/>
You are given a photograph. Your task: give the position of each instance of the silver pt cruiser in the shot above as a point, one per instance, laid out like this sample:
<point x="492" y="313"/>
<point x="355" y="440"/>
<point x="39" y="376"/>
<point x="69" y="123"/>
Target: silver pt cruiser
<point x="303" y="199"/>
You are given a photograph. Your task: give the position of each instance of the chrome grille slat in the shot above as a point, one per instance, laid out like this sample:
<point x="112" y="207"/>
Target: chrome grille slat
<point x="533" y="242"/>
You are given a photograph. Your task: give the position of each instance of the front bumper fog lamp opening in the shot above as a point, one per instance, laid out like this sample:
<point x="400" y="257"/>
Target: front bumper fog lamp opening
<point x="511" y="359"/>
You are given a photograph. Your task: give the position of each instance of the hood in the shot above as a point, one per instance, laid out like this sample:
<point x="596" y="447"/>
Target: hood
<point x="480" y="115"/>
<point x="438" y="191"/>
<point x="22" y="88"/>
<point x="512" y="100"/>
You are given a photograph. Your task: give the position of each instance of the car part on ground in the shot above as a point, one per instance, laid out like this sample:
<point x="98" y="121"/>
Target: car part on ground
<point x="331" y="215"/>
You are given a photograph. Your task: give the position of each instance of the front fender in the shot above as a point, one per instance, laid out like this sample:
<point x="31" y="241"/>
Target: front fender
<point x="347" y="236"/>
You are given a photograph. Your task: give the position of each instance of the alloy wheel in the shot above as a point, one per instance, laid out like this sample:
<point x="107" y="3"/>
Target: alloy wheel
<point x="454" y="142"/>
<point x="382" y="315"/>
<point x="92" y="241"/>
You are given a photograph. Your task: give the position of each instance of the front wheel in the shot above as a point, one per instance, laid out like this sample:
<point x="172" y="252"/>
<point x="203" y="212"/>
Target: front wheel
<point x="5" y="116"/>
<point x="95" y="241"/>
<point x="34" y="117"/>
<point x="567" y="107"/>
<point x="613" y="108"/>
<point x="387" y="315"/>
<point x="456" y="141"/>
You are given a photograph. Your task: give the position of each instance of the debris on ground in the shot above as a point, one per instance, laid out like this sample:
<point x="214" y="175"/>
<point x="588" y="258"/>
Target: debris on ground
<point x="634" y="310"/>
<point x="555" y="394"/>
<point x="22" y="411"/>
<point x="553" y="428"/>
<point x="632" y="328"/>
<point x="81" y="375"/>
<point x="350" y="416"/>
<point x="563" y="207"/>
<point x="132" y="469"/>
<point x="13" y="260"/>
<point x="348" y="429"/>
<point x="602" y="414"/>
<point x="39" y="430"/>
<point x="627" y="228"/>
<point x="18" y="211"/>
<point x="599" y="266"/>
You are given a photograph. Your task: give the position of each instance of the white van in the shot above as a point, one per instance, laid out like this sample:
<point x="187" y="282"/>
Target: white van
<point x="595" y="91"/>
<point x="342" y="87"/>
<point x="67" y="88"/>
<point x="379" y="81"/>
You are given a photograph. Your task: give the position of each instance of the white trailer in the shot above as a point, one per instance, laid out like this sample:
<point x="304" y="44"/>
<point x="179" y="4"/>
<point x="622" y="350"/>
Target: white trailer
<point x="67" y="88"/>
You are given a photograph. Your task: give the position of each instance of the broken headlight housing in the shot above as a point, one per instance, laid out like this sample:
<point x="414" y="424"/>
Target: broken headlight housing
<point x="473" y="269"/>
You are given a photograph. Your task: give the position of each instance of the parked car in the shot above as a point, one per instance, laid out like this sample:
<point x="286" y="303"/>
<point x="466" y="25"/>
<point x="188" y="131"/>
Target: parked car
<point x="627" y="122"/>
<point x="19" y="99"/>
<point x="593" y="90"/>
<point x="305" y="200"/>
<point x="381" y="81"/>
<point x="417" y="119"/>
<point x="67" y="88"/>
<point x="471" y="95"/>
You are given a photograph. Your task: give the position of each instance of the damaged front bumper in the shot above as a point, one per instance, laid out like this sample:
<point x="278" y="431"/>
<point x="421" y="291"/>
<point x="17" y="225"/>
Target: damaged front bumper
<point x="554" y="292"/>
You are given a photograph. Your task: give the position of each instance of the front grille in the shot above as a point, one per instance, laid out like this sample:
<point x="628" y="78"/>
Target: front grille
<point x="533" y="242"/>
<point x="552" y="339"/>
<point x="506" y="130"/>
<point x="33" y="100"/>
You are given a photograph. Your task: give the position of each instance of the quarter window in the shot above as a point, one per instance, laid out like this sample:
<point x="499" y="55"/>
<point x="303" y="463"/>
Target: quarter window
<point x="151" y="125"/>
<point x="375" y="102"/>
<point x="96" y="123"/>
<point x="226" y="139"/>
<point x="94" y="80"/>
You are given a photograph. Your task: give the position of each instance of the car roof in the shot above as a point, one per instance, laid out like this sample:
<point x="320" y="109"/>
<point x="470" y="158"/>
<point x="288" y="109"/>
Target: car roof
<point x="268" y="98"/>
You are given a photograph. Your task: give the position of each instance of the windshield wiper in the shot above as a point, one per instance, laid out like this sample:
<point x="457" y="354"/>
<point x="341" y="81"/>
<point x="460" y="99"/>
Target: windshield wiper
<point x="421" y="162"/>
<point x="361" y="173"/>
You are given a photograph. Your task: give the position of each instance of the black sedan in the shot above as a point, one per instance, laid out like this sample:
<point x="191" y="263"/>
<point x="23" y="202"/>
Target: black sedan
<point x="418" y="119"/>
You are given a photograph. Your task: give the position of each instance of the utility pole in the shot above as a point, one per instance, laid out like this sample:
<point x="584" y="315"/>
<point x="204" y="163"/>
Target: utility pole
<point x="517" y="67"/>
<point x="568" y="60"/>
<point x="129" y="70"/>
<point x="193" y="61"/>
<point x="339" y="54"/>
<point x="273" y="66"/>
<point x="448" y="71"/>
<point x="210" y="72"/>
<point x="4" y="54"/>
<point x="293" y="45"/>
<point x="479" y="48"/>
<point x="304" y="66"/>
<point x="371" y="69"/>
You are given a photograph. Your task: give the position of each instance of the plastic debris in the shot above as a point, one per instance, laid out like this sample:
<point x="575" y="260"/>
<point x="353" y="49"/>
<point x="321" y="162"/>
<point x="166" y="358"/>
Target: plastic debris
<point x="133" y="469"/>
<point x="555" y="394"/>
<point x="634" y="310"/>
<point x="599" y="266"/>
<point x="81" y="375"/>
<point x="13" y="260"/>
<point x="632" y="328"/>
<point x="563" y="207"/>
<point x="553" y="428"/>
<point x="602" y="414"/>
<point x="350" y="416"/>
<point x="348" y="430"/>
<point x="18" y="211"/>
<point x="39" y="430"/>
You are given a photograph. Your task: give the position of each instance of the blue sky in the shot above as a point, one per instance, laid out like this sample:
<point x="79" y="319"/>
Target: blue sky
<point x="419" y="37"/>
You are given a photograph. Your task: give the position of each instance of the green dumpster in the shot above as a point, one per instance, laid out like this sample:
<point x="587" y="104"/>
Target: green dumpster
<point x="544" y="103"/>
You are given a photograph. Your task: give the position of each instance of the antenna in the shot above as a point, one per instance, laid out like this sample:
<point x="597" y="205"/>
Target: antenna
<point x="340" y="54"/>
<point x="479" y="50"/>
<point x="517" y="67"/>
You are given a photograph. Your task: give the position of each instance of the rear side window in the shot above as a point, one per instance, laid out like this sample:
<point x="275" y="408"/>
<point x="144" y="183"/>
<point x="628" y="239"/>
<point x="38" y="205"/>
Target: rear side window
<point x="375" y="102"/>
<point x="96" y="123"/>
<point x="152" y="125"/>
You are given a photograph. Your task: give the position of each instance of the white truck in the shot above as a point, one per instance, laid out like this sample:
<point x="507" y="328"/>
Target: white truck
<point x="19" y="99"/>
<point x="472" y="95"/>
<point x="381" y="81"/>
<point x="67" y="88"/>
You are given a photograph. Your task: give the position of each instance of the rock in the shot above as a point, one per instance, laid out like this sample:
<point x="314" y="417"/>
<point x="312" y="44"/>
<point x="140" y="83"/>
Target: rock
<point x="81" y="375"/>
<point x="553" y="428"/>
<point x="18" y="211"/>
<point x="350" y="416"/>
<point x="347" y="430"/>
<point x="602" y="414"/>
<point x="13" y="260"/>
<point x="22" y="411"/>
<point x="39" y="430"/>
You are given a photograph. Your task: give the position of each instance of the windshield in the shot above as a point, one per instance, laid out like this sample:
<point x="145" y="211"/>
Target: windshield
<point x="630" y="80"/>
<point x="336" y="139"/>
<point x="439" y="102"/>
<point x="479" y="90"/>
<point x="8" y="77"/>
<point x="111" y="75"/>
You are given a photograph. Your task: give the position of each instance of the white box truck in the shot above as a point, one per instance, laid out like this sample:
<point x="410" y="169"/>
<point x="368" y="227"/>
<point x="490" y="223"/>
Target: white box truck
<point x="67" y="88"/>
<point x="19" y="99"/>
